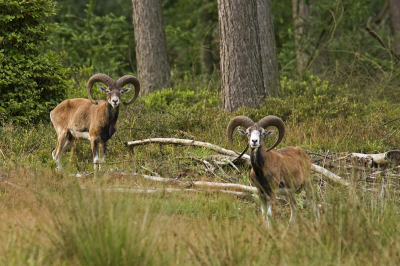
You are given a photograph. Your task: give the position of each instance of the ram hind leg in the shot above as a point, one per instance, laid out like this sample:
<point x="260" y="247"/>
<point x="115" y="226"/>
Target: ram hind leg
<point x="293" y="208"/>
<point x="95" y="151"/>
<point x="312" y="200"/>
<point x="102" y="151"/>
<point x="62" y="139"/>
<point x="99" y="152"/>
<point x="102" y="146"/>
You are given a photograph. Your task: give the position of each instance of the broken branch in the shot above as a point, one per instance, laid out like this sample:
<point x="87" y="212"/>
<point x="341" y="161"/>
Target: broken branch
<point x="186" y="142"/>
<point x="328" y="174"/>
<point x="245" y="159"/>
<point x="201" y="183"/>
<point x="392" y="156"/>
<point x="170" y="190"/>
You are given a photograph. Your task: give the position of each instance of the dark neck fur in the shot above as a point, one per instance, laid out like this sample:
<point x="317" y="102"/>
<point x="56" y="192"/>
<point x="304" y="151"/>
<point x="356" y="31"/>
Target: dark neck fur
<point x="258" y="158"/>
<point x="112" y="116"/>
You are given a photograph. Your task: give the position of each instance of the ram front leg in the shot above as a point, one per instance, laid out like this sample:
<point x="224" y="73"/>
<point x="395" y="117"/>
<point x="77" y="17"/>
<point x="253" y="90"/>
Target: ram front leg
<point x="266" y="209"/>
<point x="95" y="151"/>
<point x="102" y="151"/>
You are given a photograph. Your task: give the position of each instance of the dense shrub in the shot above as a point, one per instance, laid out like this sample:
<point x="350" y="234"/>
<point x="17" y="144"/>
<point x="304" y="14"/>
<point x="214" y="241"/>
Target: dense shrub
<point x="31" y="82"/>
<point x="184" y="98"/>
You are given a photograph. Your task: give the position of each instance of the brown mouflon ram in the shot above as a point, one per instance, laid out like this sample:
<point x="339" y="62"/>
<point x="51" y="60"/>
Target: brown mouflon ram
<point x="274" y="172"/>
<point x="91" y="120"/>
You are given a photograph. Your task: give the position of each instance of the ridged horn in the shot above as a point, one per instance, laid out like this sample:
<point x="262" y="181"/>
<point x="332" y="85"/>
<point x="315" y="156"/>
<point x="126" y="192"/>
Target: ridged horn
<point x="100" y="77"/>
<point x="129" y="79"/>
<point x="243" y="121"/>
<point x="274" y="121"/>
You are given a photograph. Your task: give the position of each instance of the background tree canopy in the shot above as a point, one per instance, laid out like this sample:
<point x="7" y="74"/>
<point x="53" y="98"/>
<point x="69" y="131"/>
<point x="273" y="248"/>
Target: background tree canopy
<point x="99" y="33"/>
<point x="346" y="43"/>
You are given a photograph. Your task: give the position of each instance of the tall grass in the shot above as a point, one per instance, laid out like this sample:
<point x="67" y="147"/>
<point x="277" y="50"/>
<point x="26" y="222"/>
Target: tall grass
<point x="95" y="227"/>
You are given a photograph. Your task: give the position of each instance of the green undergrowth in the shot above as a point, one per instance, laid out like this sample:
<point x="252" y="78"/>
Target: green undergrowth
<point x="318" y="117"/>
<point x="59" y="218"/>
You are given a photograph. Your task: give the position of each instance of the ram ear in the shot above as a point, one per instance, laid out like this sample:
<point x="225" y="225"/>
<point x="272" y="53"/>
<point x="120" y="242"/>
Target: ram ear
<point x="101" y="88"/>
<point x="125" y="90"/>
<point x="241" y="131"/>
<point x="268" y="133"/>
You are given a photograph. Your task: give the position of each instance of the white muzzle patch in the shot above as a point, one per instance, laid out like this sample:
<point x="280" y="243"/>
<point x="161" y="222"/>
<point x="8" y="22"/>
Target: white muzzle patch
<point x="114" y="101"/>
<point x="255" y="139"/>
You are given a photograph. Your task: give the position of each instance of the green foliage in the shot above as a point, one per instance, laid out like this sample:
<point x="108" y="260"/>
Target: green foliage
<point x="186" y="25"/>
<point x="313" y="86"/>
<point x="187" y="99"/>
<point x="309" y="98"/>
<point x="31" y="82"/>
<point x="104" y="43"/>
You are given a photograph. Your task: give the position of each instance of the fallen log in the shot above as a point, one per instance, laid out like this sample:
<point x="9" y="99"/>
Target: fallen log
<point x="245" y="159"/>
<point x="389" y="157"/>
<point x="201" y="183"/>
<point x="188" y="142"/>
<point x="170" y="190"/>
<point x="329" y="175"/>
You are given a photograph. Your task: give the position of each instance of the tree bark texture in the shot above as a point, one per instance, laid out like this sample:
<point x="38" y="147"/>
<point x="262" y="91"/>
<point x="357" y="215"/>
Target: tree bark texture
<point x="301" y="13"/>
<point x="395" y="12"/>
<point x="269" y="58"/>
<point x="151" y="46"/>
<point x="242" y="71"/>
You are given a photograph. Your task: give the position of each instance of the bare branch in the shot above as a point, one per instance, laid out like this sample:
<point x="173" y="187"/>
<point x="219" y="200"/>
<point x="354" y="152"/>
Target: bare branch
<point x="390" y="121"/>
<point x="201" y="183"/>
<point x="391" y="156"/>
<point x="245" y="157"/>
<point x="186" y="142"/>
<point x="170" y="190"/>
<point x="9" y="183"/>
<point x="328" y="174"/>
<point x="154" y="173"/>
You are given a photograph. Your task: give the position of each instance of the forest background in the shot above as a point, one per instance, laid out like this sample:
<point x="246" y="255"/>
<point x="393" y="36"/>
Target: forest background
<point x="339" y="76"/>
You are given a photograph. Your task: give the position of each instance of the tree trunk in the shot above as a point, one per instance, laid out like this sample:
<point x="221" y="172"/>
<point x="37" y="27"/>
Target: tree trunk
<point x="270" y="65"/>
<point x="301" y="12"/>
<point x="242" y="59"/>
<point x="395" y="12"/>
<point x="151" y="46"/>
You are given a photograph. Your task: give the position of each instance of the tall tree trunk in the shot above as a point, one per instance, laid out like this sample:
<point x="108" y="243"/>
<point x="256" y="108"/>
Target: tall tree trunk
<point x="241" y="55"/>
<point x="269" y="58"/>
<point x="301" y="13"/>
<point x="151" y="46"/>
<point x="395" y="12"/>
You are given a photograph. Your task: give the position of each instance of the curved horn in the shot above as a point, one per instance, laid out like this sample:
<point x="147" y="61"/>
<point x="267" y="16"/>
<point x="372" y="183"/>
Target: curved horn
<point x="275" y="121"/>
<point x="109" y="82"/>
<point x="129" y="79"/>
<point x="243" y="121"/>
